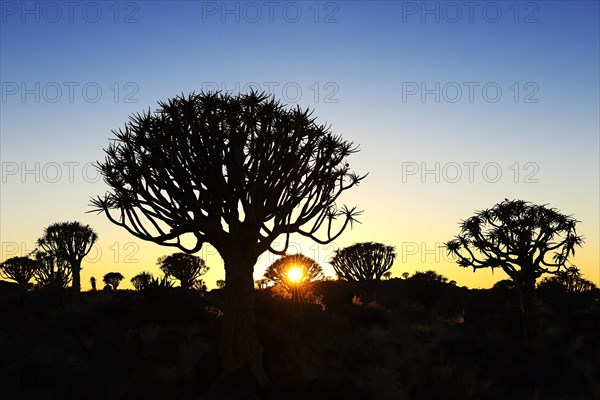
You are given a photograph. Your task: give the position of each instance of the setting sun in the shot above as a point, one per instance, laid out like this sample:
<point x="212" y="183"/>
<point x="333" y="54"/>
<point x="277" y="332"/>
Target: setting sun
<point x="294" y="274"/>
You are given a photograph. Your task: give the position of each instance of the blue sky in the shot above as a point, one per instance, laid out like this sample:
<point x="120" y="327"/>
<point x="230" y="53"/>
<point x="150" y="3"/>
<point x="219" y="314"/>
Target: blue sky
<point x="355" y="63"/>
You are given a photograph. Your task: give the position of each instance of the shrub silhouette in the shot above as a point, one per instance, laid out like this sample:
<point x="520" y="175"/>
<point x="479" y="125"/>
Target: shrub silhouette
<point x="113" y="279"/>
<point x="186" y="268"/>
<point x="237" y="172"/>
<point x="364" y="263"/>
<point x="429" y="276"/>
<point x="70" y="242"/>
<point x="505" y="284"/>
<point x="93" y="283"/>
<point x="157" y="287"/>
<point x="19" y="269"/>
<point x="518" y="237"/>
<point x="142" y="280"/>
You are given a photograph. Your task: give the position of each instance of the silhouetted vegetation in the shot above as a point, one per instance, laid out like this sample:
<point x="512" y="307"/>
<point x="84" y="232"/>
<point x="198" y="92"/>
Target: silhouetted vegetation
<point x="186" y="268"/>
<point x="423" y="339"/>
<point x="365" y="263"/>
<point x="142" y="280"/>
<point x="52" y="272"/>
<point x="69" y="242"/>
<point x="113" y="279"/>
<point x="429" y="276"/>
<point x="18" y="269"/>
<point x="524" y="240"/>
<point x="237" y="172"/>
<point x="308" y="271"/>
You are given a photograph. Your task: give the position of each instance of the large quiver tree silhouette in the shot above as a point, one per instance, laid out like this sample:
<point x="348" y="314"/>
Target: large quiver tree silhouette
<point x="70" y="242"/>
<point x="233" y="171"/>
<point x="365" y="263"/>
<point x="524" y="240"/>
<point x="19" y="269"/>
<point x="186" y="268"/>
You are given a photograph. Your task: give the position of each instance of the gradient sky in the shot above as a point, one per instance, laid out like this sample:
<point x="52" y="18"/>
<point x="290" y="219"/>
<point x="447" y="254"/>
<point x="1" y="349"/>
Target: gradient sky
<point x="414" y="84"/>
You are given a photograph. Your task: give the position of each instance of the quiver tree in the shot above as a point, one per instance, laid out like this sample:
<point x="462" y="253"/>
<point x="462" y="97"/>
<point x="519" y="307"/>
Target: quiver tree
<point x="70" y="242"/>
<point x="51" y="272"/>
<point x="113" y="279"/>
<point x="19" y="269"/>
<point x="524" y="240"/>
<point x="186" y="268"/>
<point x="364" y="263"/>
<point x="293" y="272"/>
<point x="142" y="280"/>
<point x="237" y="172"/>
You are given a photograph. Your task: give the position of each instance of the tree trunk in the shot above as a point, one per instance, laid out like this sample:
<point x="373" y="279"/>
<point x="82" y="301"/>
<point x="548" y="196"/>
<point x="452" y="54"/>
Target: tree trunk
<point x="532" y="327"/>
<point x="239" y="342"/>
<point x="76" y="271"/>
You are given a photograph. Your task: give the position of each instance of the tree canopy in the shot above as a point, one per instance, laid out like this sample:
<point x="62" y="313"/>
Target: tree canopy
<point x="363" y="262"/>
<point x="214" y="165"/>
<point x="142" y="280"/>
<point x="70" y="242"/>
<point x="113" y="279"/>
<point x="19" y="269"/>
<point x="186" y="268"/>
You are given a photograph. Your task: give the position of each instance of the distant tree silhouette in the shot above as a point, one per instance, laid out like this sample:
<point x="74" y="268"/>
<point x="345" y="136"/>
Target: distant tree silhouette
<point x="113" y="279"/>
<point x="405" y="275"/>
<point x="93" y="283"/>
<point x="387" y="275"/>
<point x="19" y="269"/>
<point x="278" y="271"/>
<point x="429" y="276"/>
<point x="142" y="280"/>
<point x="518" y="237"/>
<point x="186" y="268"/>
<point x="364" y="263"/>
<point x="569" y="280"/>
<point x="237" y="172"/>
<point x="221" y="284"/>
<point x="505" y="284"/>
<point x="70" y="242"/>
<point x="51" y="271"/>
<point x="452" y="282"/>
<point x="158" y="286"/>
<point x="199" y="285"/>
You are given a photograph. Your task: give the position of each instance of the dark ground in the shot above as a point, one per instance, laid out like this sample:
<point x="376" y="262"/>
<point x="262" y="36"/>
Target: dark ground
<point x="420" y="340"/>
